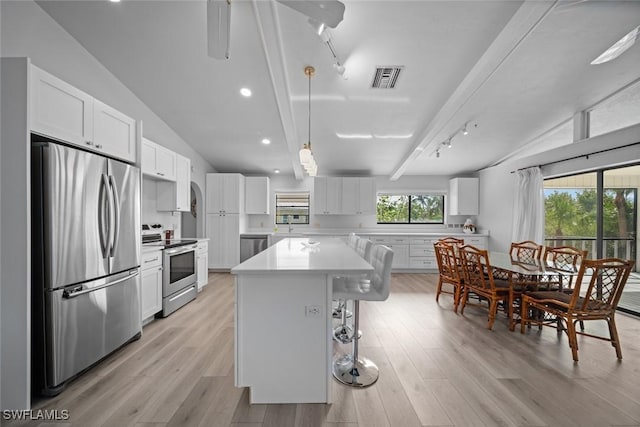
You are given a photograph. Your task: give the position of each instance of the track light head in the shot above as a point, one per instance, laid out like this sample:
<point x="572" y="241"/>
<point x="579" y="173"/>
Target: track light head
<point x="437" y="154"/>
<point x="464" y="130"/>
<point x="449" y="143"/>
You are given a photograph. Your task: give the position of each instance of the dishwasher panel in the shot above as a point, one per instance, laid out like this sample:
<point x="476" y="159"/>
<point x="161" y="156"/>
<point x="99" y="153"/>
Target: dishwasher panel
<point x="252" y="244"/>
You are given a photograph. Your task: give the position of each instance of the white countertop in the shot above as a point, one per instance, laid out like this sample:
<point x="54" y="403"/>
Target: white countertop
<point x="298" y="233"/>
<point x="330" y="255"/>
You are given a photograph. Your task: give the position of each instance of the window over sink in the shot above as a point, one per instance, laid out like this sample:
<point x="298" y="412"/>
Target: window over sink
<point x="292" y="207"/>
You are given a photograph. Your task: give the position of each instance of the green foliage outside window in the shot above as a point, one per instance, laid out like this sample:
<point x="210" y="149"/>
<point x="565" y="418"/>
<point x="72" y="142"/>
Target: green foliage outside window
<point x="410" y="209"/>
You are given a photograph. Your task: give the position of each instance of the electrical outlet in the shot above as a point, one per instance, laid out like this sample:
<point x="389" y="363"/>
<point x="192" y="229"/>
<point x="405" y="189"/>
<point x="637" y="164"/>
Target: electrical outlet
<point x="312" y="311"/>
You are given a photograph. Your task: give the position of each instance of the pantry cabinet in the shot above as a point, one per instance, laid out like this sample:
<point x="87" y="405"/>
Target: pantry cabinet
<point x="223" y="232"/>
<point x="63" y="112"/>
<point x="225" y="193"/>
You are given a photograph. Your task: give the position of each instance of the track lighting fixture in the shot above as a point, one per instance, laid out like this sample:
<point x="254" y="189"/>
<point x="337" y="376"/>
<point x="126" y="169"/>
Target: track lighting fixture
<point x="449" y="143"/>
<point x="438" y="153"/>
<point x="464" y="130"/>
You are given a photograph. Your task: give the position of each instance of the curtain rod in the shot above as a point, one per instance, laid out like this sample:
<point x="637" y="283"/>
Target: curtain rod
<point x="586" y="156"/>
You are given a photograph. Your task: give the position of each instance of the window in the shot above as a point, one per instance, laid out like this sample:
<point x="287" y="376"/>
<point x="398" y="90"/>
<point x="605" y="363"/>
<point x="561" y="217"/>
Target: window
<point x="410" y="209"/>
<point x="617" y="112"/>
<point x="292" y="208"/>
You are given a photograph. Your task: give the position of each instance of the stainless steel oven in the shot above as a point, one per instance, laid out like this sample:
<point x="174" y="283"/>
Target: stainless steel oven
<point x="178" y="277"/>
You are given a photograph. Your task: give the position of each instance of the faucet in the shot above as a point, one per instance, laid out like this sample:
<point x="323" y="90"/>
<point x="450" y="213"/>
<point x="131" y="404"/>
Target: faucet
<point x="289" y="222"/>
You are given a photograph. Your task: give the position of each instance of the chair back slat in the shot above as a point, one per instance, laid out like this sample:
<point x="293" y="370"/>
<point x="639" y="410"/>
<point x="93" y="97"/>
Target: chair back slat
<point x="449" y="265"/>
<point x="604" y="280"/>
<point x="451" y="241"/>
<point x="477" y="271"/>
<point x="526" y="251"/>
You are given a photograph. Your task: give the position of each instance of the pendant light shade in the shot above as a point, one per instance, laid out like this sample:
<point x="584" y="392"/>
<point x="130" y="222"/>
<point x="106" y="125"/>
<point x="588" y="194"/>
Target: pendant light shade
<point x="306" y="155"/>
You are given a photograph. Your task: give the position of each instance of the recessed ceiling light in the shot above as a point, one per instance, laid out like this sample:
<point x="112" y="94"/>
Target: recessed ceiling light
<point x="618" y="47"/>
<point x="245" y="91"/>
<point x="114" y="1"/>
<point x="276" y="171"/>
<point x="266" y="141"/>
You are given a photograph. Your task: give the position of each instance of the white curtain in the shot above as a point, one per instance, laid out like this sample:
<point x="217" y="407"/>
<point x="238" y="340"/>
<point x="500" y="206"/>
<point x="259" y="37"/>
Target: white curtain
<point x="528" y="207"/>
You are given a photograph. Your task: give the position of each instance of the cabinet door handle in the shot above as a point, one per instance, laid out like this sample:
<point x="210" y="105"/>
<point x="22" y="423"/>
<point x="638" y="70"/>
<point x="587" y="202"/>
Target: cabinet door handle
<point x="160" y="173"/>
<point x="88" y="142"/>
<point x="98" y="145"/>
<point x="151" y="260"/>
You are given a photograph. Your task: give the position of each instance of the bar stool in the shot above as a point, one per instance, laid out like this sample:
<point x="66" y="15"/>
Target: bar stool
<point x="344" y="332"/>
<point x="358" y="371"/>
<point x="352" y="241"/>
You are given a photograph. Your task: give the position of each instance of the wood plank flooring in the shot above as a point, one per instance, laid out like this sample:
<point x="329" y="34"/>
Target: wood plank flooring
<point x="437" y="368"/>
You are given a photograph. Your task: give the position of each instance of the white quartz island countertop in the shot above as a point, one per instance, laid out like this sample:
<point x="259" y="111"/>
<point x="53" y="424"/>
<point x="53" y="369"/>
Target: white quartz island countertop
<point x="283" y="324"/>
<point x="323" y="255"/>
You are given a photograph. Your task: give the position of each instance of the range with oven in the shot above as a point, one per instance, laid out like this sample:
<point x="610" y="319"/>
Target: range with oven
<point x="179" y="275"/>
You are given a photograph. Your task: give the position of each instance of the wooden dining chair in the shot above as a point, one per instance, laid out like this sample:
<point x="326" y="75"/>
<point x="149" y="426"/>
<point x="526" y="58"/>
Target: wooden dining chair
<point x="563" y="258"/>
<point x="478" y="278"/>
<point x="526" y="251"/>
<point x="452" y="241"/>
<point x="449" y="270"/>
<point x="595" y="296"/>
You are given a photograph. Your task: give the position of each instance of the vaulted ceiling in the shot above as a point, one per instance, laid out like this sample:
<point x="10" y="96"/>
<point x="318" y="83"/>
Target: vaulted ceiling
<point x="510" y="70"/>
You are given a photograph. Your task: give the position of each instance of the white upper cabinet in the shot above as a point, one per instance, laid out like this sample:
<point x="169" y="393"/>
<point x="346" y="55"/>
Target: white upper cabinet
<point x="63" y="112"/>
<point x="158" y="162"/>
<point x="358" y="196"/>
<point x="225" y="193"/>
<point x="327" y="195"/>
<point x="175" y="196"/>
<point x="463" y="196"/>
<point x="113" y="131"/>
<point x="257" y="195"/>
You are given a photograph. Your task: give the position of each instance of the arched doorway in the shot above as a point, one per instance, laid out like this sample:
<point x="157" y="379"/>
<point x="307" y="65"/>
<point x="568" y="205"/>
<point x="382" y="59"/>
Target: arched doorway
<point x="193" y="221"/>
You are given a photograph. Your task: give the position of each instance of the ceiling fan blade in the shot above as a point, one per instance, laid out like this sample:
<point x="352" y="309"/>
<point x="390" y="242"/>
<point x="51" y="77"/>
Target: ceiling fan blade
<point x="218" y="28"/>
<point x="329" y="12"/>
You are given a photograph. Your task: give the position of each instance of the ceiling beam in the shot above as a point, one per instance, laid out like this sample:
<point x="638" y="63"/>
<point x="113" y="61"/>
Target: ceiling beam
<point x="269" y="29"/>
<point x="523" y="22"/>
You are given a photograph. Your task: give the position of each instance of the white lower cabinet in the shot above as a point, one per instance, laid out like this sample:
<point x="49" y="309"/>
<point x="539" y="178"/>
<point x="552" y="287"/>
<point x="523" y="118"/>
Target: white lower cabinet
<point x="151" y="283"/>
<point x="223" y="232"/>
<point x="417" y="252"/>
<point x="202" y="263"/>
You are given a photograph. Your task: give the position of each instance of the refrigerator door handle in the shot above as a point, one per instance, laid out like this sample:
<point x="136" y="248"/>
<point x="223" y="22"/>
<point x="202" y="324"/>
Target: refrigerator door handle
<point x="101" y="216"/>
<point x="116" y="206"/>
<point x="76" y="292"/>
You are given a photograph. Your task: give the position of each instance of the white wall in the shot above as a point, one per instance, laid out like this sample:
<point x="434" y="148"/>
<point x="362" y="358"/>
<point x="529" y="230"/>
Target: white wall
<point x="436" y="184"/>
<point x="27" y="31"/>
<point x="497" y="183"/>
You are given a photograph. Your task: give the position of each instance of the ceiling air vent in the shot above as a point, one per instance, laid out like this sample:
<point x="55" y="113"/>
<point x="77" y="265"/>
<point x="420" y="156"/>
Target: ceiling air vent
<point x="386" y="77"/>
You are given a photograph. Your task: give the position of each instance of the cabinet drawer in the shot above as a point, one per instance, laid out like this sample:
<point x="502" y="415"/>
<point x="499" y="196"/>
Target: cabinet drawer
<point x="421" y="250"/>
<point x="478" y="242"/>
<point x="203" y="247"/>
<point x="429" y="241"/>
<point x="390" y="240"/>
<point x="423" y="262"/>
<point x="151" y="259"/>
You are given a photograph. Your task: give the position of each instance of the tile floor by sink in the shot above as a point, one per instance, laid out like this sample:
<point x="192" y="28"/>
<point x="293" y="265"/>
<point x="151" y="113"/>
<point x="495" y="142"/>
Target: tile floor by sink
<point x="436" y="369"/>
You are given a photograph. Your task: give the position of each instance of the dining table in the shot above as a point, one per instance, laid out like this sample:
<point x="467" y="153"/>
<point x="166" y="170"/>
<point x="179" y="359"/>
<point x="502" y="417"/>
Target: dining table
<point x="536" y="270"/>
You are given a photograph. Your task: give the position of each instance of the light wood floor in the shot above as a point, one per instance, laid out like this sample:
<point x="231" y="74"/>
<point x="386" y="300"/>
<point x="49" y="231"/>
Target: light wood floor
<point x="436" y="369"/>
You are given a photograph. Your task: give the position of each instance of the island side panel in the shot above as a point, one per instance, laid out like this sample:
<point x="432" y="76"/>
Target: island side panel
<point x="282" y="343"/>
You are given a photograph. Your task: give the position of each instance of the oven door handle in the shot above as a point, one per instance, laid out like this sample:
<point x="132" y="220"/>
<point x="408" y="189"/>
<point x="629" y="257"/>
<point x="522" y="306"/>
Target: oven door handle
<point x="181" y="250"/>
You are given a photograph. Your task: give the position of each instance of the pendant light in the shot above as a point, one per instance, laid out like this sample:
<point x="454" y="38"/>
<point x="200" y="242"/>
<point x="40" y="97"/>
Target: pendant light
<point x="306" y="155"/>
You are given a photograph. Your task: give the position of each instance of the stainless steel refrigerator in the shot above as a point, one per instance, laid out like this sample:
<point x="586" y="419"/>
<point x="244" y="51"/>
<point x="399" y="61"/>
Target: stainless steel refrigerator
<point x="85" y="260"/>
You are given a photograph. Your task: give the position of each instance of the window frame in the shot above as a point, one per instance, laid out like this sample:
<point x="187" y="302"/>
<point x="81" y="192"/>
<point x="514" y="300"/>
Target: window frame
<point x="409" y="203"/>
<point x="308" y="207"/>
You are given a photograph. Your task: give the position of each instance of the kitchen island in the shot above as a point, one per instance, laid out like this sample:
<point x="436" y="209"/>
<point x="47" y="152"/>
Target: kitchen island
<point x="283" y="335"/>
